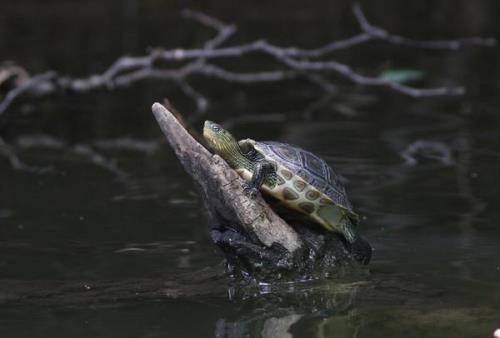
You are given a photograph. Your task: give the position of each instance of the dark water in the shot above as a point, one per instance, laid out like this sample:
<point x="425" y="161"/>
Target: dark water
<point x="103" y="240"/>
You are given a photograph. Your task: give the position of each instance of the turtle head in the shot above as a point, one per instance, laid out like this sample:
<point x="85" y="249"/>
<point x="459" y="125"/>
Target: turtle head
<point x="222" y="142"/>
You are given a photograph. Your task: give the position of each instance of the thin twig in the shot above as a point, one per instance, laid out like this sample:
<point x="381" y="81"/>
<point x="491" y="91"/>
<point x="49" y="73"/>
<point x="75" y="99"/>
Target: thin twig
<point x="224" y="31"/>
<point x="200" y="100"/>
<point x="375" y="32"/>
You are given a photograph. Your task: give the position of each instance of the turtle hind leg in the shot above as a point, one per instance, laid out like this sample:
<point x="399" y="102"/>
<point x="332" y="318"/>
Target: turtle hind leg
<point x="336" y="220"/>
<point x="361" y="250"/>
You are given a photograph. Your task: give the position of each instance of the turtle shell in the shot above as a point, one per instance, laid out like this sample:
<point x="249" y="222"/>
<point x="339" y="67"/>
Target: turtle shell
<point x="309" y="167"/>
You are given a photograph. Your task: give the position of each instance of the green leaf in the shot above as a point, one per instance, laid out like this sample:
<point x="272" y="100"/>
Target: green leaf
<point x="401" y="75"/>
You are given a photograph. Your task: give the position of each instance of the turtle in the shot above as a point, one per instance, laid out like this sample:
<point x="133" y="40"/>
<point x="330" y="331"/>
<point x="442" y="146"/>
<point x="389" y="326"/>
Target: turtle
<point x="298" y="178"/>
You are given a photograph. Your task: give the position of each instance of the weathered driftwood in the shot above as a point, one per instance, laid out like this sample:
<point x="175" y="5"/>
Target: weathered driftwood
<point x="254" y="239"/>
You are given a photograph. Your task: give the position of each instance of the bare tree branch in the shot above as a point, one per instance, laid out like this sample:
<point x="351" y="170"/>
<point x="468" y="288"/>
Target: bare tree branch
<point x="295" y="62"/>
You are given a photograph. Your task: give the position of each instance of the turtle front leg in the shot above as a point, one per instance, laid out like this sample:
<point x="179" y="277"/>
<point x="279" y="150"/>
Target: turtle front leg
<point x="258" y="175"/>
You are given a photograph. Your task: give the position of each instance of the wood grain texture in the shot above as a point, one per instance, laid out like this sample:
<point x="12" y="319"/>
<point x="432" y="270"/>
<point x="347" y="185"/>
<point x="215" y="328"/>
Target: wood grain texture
<point x="221" y="187"/>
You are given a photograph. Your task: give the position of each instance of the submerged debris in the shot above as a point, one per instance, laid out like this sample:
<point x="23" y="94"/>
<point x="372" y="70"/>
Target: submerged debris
<point x="422" y="149"/>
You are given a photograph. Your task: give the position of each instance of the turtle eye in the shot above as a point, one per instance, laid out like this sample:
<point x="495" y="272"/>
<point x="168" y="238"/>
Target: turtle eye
<point x="216" y="129"/>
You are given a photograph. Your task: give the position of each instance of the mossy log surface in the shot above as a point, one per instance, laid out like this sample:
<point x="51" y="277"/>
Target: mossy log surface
<point x="256" y="241"/>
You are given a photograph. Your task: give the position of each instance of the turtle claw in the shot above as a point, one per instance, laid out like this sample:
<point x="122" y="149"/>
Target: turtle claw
<point x="249" y="191"/>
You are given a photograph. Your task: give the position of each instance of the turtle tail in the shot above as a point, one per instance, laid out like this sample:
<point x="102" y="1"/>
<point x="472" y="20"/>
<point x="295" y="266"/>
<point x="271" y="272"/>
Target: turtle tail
<point x="361" y="250"/>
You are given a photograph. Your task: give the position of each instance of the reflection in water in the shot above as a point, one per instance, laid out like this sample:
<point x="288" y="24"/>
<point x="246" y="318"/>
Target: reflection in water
<point x="272" y="327"/>
<point x="437" y="151"/>
<point x="388" y="308"/>
<point x="277" y="310"/>
<point x="193" y="307"/>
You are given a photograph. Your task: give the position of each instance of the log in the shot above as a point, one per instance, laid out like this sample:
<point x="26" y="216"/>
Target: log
<point x="256" y="241"/>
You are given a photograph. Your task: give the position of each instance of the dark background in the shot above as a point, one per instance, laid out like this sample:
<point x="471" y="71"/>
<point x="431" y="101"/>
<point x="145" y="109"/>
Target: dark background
<point x="137" y="217"/>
